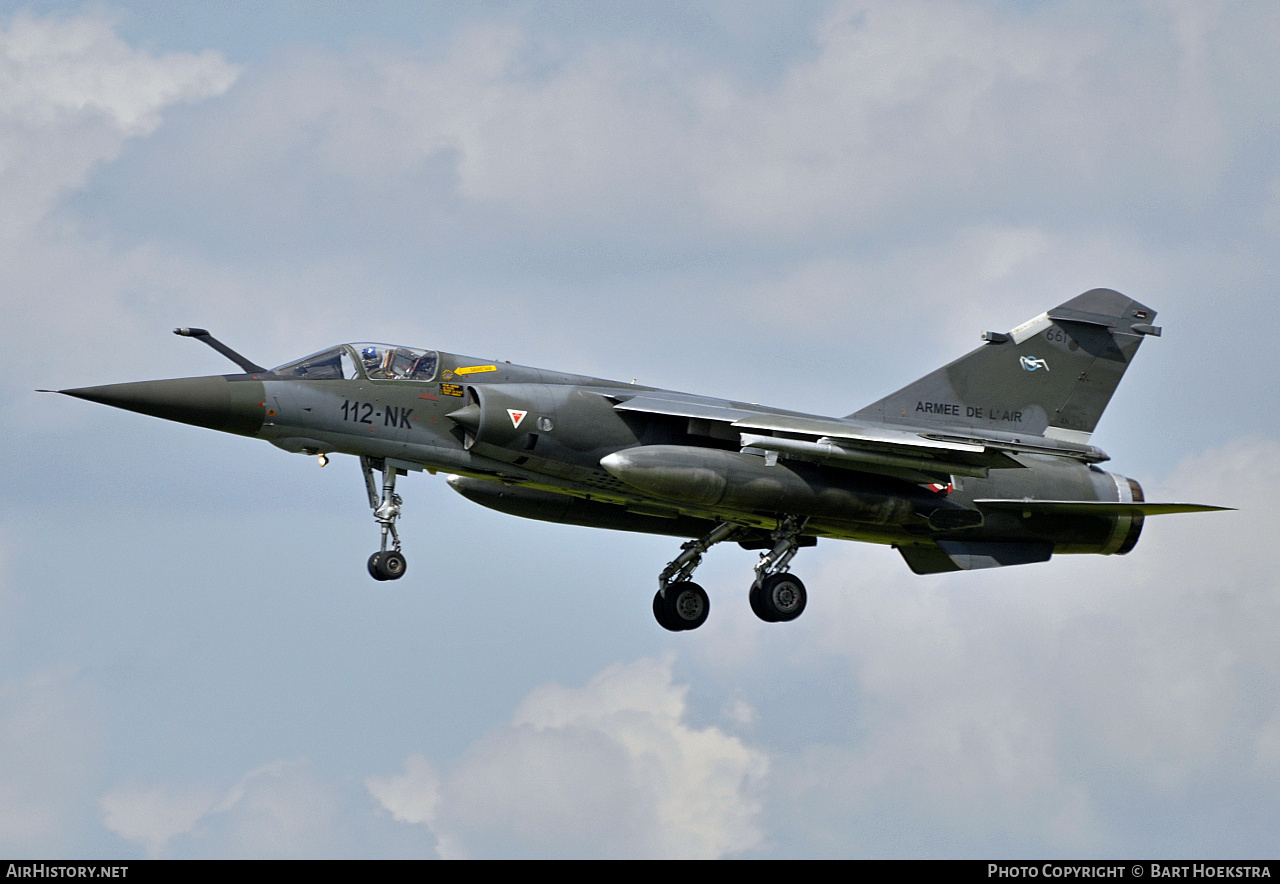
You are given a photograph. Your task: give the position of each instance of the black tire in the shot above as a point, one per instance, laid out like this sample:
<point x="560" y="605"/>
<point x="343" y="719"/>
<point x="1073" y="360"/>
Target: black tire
<point x="392" y="565"/>
<point x="781" y="597"/>
<point x="685" y="606"/>
<point x="375" y="566"/>
<point x="754" y="598"/>
<point x="660" y="613"/>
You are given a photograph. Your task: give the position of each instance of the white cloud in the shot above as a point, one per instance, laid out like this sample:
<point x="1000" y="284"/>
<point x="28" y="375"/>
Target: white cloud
<point x="608" y="769"/>
<point x="412" y="796"/>
<point x="901" y="100"/>
<point x="71" y="93"/>
<point x="929" y="111"/>
<point x="54" y="67"/>
<point x="279" y="810"/>
<point x="928" y="107"/>
<point x="152" y="816"/>
<point x="1057" y="708"/>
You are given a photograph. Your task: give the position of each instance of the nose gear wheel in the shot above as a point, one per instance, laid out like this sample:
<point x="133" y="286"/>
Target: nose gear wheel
<point x="388" y="565"/>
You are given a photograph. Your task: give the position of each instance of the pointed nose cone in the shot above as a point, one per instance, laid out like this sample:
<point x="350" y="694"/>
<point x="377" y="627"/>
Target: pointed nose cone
<point x="231" y="404"/>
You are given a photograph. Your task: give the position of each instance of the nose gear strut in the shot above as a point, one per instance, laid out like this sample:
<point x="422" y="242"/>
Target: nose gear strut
<point x="387" y="564"/>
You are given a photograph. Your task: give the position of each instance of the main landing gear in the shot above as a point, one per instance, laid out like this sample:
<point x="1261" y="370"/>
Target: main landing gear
<point x="682" y="604"/>
<point x="776" y="595"/>
<point x="386" y="564"/>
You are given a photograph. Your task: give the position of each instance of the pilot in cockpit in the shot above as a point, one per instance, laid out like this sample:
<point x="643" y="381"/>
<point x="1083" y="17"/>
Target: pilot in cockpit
<point x="372" y="361"/>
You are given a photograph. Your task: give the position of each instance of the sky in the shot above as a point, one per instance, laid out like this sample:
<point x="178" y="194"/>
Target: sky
<point x="803" y="204"/>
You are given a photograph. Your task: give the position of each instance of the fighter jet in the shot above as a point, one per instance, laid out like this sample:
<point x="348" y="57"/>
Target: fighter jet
<point x="984" y="463"/>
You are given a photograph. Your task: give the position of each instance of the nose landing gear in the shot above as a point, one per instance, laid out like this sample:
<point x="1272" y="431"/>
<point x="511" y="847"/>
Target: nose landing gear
<point x="386" y="564"/>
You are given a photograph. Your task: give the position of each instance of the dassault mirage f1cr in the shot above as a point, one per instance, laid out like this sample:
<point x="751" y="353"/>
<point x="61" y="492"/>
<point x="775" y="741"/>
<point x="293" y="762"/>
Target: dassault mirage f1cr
<point x="983" y="463"/>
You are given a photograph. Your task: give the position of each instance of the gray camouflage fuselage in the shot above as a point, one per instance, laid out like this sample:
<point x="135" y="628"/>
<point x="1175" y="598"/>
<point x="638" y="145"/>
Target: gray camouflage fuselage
<point x="984" y="462"/>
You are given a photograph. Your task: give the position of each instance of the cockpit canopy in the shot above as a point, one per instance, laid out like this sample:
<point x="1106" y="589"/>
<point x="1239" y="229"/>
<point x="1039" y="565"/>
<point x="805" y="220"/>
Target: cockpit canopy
<point x="364" y="360"/>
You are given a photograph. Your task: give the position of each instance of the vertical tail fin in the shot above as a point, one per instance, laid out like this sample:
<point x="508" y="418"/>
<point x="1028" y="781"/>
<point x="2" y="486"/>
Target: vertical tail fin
<point x="1051" y="376"/>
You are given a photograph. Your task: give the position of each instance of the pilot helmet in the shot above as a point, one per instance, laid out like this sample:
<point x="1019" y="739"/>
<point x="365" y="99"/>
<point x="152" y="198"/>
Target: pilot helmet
<point x="370" y="354"/>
